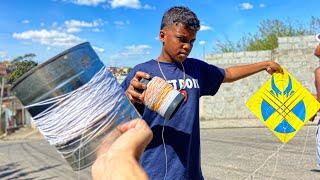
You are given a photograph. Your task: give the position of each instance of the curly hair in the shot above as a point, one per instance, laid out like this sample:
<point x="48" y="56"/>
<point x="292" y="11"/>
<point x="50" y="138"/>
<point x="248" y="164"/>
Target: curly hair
<point x="180" y="14"/>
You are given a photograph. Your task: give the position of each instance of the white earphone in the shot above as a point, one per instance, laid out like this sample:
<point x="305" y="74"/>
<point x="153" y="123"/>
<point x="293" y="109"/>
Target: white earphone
<point x="318" y="37"/>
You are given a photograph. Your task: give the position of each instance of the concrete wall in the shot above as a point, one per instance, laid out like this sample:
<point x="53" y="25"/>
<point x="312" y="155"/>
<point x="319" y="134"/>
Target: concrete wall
<point x="227" y="107"/>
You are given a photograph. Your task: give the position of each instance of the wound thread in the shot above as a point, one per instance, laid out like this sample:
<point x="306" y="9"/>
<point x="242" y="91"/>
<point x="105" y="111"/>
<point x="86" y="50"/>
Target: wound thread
<point x="78" y="122"/>
<point x="161" y="97"/>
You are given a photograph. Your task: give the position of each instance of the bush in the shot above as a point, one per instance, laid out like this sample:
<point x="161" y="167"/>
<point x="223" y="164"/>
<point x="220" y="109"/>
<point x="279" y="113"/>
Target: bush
<point x="20" y="66"/>
<point x="267" y="36"/>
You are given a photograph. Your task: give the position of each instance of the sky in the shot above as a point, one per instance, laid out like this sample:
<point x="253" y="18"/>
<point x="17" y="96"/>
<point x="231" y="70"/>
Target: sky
<point x="125" y="32"/>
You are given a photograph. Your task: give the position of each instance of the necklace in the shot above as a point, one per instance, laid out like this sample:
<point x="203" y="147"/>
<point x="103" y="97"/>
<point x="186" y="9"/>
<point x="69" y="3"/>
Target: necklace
<point x="181" y="89"/>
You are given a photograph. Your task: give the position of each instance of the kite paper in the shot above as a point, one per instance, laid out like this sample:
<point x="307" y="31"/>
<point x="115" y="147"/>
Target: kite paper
<point x="283" y="105"/>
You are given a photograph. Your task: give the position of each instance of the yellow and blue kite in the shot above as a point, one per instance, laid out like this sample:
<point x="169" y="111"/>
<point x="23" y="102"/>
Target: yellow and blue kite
<point x="283" y="105"/>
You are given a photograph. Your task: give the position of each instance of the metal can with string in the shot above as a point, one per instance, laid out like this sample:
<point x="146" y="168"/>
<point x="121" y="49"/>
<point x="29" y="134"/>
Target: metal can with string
<point x="75" y="103"/>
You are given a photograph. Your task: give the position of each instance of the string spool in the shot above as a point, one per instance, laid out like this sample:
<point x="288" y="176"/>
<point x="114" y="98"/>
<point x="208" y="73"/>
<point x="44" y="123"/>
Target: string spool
<point x="75" y="103"/>
<point x="161" y="97"/>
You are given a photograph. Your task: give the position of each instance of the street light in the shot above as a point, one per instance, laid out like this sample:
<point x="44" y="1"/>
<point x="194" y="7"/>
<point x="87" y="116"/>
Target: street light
<point x="203" y="43"/>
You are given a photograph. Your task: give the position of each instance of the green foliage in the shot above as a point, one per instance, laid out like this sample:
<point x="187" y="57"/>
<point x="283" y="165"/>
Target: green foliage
<point x="26" y="57"/>
<point x="129" y="69"/>
<point x="267" y="36"/>
<point x="20" y="66"/>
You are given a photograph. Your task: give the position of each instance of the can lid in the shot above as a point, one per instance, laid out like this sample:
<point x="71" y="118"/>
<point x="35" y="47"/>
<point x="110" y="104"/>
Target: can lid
<point x="44" y="64"/>
<point x="145" y="81"/>
<point x="174" y="106"/>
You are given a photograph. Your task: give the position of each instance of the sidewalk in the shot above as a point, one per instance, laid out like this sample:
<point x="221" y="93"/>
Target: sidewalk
<point x="240" y="123"/>
<point x="22" y="134"/>
<point x="30" y="133"/>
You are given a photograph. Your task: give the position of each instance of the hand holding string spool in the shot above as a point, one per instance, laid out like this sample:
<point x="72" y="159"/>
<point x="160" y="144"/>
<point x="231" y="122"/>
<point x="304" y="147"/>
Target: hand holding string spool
<point x="161" y="97"/>
<point x="75" y="103"/>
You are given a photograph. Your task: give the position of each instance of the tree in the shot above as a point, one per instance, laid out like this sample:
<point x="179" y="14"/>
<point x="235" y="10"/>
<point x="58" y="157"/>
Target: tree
<point x="19" y="66"/>
<point x="129" y="69"/>
<point x="267" y="36"/>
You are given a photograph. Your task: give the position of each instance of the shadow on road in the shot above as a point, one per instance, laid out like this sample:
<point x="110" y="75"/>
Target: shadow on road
<point x="315" y="170"/>
<point x="14" y="171"/>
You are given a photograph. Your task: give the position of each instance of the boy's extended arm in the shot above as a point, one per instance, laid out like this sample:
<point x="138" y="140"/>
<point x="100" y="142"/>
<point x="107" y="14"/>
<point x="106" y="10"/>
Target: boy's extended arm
<point x="238" y="72"/>
<point x="317" y="84"/>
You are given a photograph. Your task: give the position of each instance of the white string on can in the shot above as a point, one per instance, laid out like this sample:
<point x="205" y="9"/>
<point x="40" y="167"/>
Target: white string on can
<point x="78" y="118"/>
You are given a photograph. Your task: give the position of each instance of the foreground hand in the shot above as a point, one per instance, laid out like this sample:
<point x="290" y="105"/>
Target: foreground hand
<point x="136" y="87"/>
<point x="273" y="67"/>
<point x="120" y="160"/>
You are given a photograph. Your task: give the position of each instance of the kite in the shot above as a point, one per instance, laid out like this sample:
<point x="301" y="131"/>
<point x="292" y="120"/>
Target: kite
<point x="283" y="105"/>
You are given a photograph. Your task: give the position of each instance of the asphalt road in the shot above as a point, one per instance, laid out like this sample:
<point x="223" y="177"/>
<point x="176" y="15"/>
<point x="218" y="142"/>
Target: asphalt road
<point x="239" y="153"/>
<point x="254" y="153"/>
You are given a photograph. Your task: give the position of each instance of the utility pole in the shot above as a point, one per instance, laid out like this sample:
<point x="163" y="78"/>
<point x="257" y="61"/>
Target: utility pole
<point x="203" y="44"/>
<point x="3" y="73"/>
<point x="1" y="97"/>
<point x="204" y="52"/>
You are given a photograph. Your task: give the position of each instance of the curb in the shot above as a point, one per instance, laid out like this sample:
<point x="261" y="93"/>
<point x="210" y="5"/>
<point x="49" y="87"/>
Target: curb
<point x="3" y="135"/>
<point x="18" y="137"/>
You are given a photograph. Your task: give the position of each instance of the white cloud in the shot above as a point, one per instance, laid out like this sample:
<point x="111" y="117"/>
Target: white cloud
<point x="121" y="23"/>
<point x="202" y="43"/>
<point x="26" y="21"/>
<point x="42" y="24"/>
<point x="88" y="2"/>
<point x="54" y="24"/>
<point x="147" y="6"/>
<point x="3" y="55"/>
<point x="133" y="4"/>
<point x="96" y="30"/>
<point x="132" y="52"/>
<point x="246" y="6"/>
<point x="205" y="28"/>
<point x="73" y="30"/>
<point x="77" y="23"/>
<point x="136" y="50"/>
<point x="74" y="26"/>
<point x="98" y="49"/>
<point x="49" y="37"/>
<point x="262" y="5"/>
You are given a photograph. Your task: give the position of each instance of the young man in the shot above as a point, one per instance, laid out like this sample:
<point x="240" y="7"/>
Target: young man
<point x="317" y="84"/>
<point x="181" y="134"/>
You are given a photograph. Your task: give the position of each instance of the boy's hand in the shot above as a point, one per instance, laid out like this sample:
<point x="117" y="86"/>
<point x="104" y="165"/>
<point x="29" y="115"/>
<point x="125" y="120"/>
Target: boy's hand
<point x="273" y="67"/>
<point x="136" y="87"/>
<point x="312" y="118"/>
